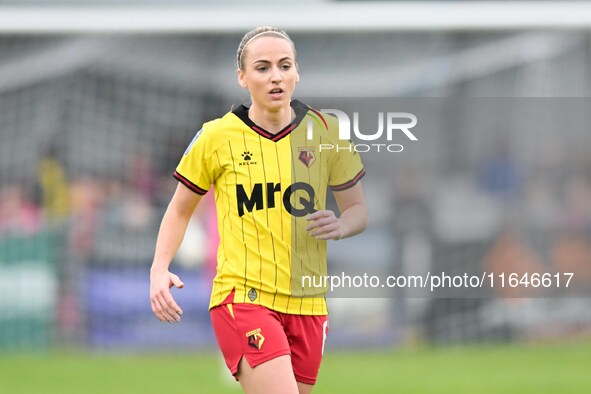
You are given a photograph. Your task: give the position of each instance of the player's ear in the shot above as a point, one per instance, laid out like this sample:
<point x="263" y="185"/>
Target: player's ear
<point x="297" y="72"/>
<point x="241" y="78"/>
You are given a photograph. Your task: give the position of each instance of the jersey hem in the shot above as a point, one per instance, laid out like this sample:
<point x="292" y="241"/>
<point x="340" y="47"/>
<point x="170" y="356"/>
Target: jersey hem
<point x="303" y="306"/>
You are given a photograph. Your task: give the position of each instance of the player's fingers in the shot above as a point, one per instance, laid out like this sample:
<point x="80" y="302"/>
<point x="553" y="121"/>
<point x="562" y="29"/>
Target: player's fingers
<point x="314" y="216"/>
<point x="154" y="311"/>
<point x="319" y="214"/>
<point x="177" y="281"/>
<point x="327" y="228"/>
<point x="160" y="311"/>
<point x="317" y="223"/>
<point x="335" y="235"/>
<point x="172" y="304"/>
<point x="154" y="305"/>
<point x="331" y="231"/>
<point x="312" y="226"/>
<point x="157" y="309"/>
<point x="321" y="222"/>
<point x="168" y="312"/>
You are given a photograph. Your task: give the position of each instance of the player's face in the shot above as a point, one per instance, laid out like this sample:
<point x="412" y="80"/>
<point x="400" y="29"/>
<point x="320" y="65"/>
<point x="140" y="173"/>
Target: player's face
<point x="270" y="73"/>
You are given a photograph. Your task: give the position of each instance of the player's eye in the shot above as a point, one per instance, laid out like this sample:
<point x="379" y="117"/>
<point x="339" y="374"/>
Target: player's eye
<point x="262" y="68"/>
<point x="286" y="66"/>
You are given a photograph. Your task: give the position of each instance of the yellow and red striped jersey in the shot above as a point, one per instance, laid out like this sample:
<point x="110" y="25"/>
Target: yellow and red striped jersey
<point x="265" y="185"/>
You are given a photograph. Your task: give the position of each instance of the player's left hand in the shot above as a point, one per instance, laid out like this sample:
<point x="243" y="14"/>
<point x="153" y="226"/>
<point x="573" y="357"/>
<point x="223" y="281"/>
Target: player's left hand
<point x="325" y="225"/>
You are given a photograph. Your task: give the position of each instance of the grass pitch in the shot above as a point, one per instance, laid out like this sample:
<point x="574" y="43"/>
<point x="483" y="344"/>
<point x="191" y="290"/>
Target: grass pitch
<point x="551" y="368"/>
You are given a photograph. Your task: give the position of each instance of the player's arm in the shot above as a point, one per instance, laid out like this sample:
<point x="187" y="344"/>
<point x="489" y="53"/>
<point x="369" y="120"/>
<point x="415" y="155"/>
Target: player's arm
<point x="353" y="216"/>
<point x="172" y="230"/>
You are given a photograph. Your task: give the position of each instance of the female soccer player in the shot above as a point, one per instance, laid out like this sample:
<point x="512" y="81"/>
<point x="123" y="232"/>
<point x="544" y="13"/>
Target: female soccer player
<point x="270" y="180"/>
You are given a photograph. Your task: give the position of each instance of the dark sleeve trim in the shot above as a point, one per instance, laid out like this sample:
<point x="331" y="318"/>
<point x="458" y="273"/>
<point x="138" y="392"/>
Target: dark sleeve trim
<point x="193" y="187"/>
<point x="350" y="184"/>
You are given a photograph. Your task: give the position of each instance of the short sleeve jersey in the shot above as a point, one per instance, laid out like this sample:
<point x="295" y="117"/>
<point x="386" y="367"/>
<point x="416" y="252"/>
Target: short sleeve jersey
<point x="265" y="185"/>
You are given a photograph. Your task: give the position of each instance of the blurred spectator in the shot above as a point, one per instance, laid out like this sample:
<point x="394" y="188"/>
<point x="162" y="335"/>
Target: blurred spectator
<point x="509" y="255"/>
<point x="17" y="213"/>
<point x="54" y="189"/>
<point x="499" y="173"/>
<point x="124" y="227"/>
<point x="143" y="180"/>
<point x="86" y="199"/>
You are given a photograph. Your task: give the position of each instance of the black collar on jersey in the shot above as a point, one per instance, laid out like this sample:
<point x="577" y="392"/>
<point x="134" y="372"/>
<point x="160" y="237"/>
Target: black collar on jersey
<point x="299" y="108"/>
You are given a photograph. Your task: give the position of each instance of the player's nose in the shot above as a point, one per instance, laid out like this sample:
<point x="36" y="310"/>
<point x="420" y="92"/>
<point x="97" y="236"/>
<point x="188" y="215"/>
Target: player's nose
<point x="276" y="74"/>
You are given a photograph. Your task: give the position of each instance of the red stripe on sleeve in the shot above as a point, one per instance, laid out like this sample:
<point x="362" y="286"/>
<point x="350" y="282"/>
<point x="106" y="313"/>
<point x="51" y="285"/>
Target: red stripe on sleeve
<point x="193" y="187"/>
<point x="349" y="184"/>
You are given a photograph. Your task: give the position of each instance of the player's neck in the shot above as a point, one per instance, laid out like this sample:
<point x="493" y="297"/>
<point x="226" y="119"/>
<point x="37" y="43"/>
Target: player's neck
<point x="272" y="121"/>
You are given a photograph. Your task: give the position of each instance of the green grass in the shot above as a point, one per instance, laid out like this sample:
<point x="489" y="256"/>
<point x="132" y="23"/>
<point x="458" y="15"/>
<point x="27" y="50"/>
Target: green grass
<point x="520" y="369"/>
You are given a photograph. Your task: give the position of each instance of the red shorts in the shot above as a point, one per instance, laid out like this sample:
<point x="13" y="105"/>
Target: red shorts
<point x="260" y="334"/>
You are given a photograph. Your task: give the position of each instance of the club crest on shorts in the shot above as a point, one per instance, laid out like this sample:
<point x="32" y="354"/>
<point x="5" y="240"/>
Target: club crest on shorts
<point x="252" y="294"/>
<point x="307" y="155"/>
<point x="255" y="339"/>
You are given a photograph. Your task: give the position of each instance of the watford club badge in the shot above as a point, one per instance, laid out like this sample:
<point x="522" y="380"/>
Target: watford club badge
<point x="255" y="339"/>
<point x="306" y="155"/>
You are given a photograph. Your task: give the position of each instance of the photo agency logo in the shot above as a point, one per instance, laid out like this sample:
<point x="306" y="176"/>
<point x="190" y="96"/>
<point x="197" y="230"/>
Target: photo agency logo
<point x="391" y="126"/>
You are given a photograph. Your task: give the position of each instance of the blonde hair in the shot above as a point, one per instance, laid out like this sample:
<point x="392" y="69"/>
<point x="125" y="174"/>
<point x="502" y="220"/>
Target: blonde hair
<point x="262" y="31"/>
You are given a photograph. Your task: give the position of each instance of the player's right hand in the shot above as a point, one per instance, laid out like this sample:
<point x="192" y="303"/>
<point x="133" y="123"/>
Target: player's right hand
<point x="163" y="304"/>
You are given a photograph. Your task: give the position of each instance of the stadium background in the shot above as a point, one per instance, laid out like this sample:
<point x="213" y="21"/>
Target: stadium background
<point x="94" y="117"/>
